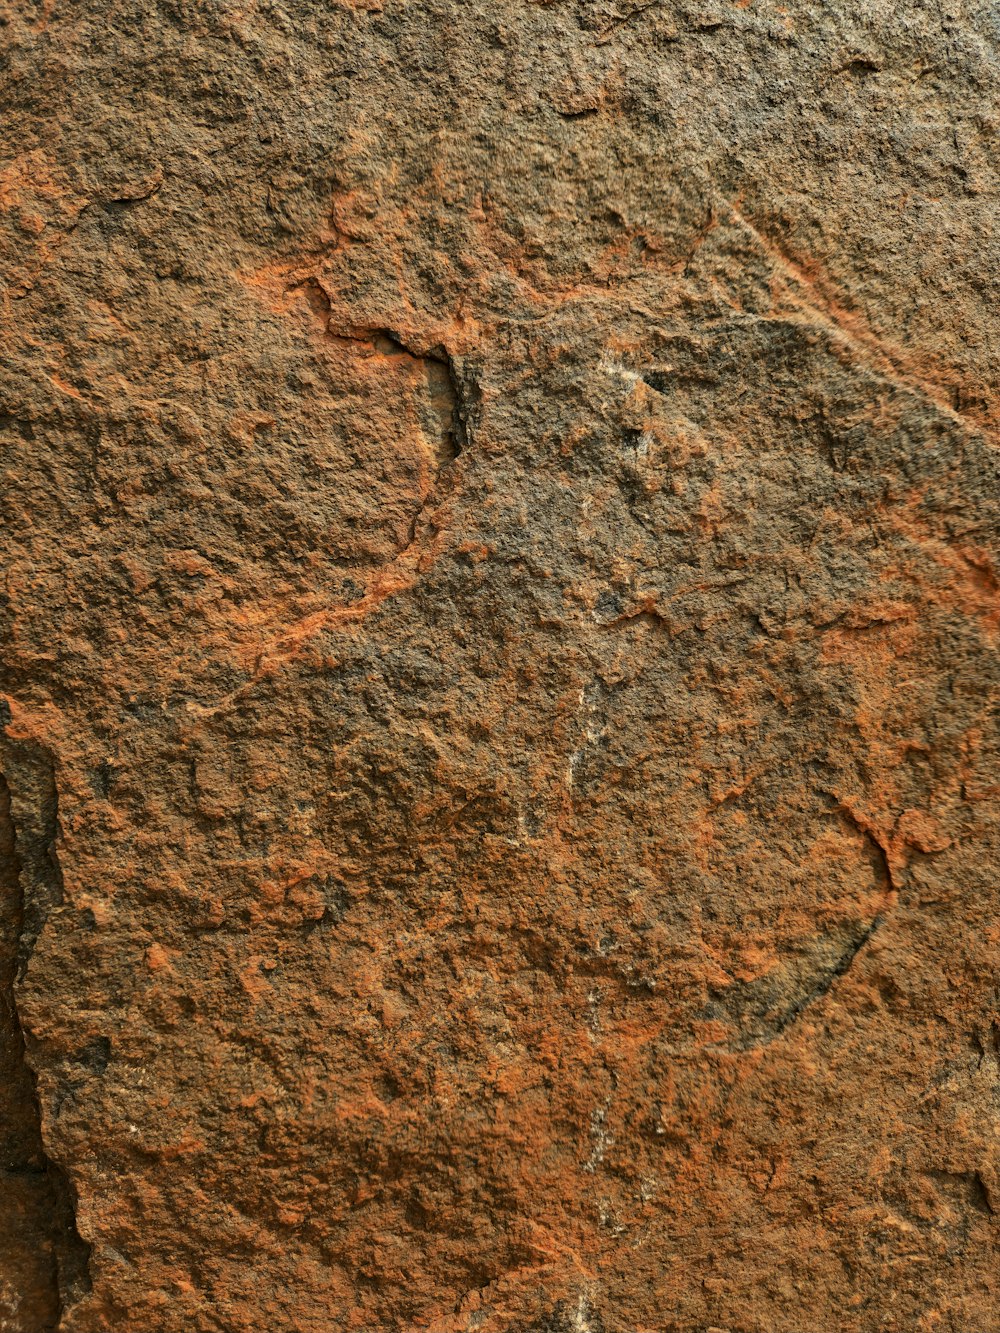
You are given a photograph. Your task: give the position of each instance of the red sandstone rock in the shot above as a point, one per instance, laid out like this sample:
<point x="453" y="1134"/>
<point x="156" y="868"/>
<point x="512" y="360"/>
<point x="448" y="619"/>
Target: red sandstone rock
<point x="500" y="598"/>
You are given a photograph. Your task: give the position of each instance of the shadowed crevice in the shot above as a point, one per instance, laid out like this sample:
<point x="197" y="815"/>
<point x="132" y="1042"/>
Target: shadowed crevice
<point x="38" y="1234"/>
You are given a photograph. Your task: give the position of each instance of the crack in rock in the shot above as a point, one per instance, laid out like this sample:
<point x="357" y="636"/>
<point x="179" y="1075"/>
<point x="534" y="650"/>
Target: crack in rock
<point x="760" y="1010"/>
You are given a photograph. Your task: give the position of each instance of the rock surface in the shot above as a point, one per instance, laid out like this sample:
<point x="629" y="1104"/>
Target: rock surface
<point x="501" y="706"/>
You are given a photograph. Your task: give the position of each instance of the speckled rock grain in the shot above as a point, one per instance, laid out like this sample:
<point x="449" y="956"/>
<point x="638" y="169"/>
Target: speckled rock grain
<point x="500" y="612"/>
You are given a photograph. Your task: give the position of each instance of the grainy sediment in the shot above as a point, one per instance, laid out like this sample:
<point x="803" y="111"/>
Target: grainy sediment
<point x="499" y="823"/>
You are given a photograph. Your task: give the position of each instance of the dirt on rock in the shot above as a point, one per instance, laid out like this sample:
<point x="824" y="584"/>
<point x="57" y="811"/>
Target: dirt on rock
<point x="500" y="760"/>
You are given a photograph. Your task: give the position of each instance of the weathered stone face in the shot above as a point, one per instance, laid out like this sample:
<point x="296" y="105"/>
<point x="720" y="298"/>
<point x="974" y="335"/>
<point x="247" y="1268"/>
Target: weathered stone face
<point x="500" y="611"/>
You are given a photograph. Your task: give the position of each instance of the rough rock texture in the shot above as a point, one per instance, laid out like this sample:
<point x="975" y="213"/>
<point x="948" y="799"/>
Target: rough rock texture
<point x="501" y="744"/>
